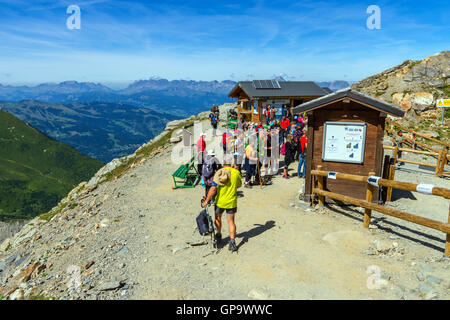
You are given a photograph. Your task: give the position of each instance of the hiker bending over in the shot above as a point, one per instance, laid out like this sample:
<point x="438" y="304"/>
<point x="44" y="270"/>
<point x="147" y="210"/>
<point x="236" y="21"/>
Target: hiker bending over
<point x="225" y="184"/>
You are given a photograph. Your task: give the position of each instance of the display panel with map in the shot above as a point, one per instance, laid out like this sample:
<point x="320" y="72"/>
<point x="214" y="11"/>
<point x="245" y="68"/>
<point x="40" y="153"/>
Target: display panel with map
<point x="344" y="142"/>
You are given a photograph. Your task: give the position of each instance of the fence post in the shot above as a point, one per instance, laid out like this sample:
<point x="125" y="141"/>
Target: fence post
<point x="320" y="186"/>
<point x="395" y="155"/>
<point x="391" y="177"/>
<point x="438" y="164"/>
<point x="447" y="242"/>
<point x="443" y="162"/>
<point x="369" y="198"/>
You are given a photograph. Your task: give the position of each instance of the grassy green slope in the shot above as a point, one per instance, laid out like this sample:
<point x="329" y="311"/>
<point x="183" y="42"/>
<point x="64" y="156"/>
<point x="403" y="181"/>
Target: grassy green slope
<point x="35" y="170"/>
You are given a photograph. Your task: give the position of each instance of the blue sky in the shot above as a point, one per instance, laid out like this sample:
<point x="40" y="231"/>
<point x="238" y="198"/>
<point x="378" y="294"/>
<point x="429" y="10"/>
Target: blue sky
<point x="122" y="41"/>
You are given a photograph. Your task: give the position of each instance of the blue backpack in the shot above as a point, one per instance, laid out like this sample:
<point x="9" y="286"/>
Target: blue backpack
<point x="213" y="118"/>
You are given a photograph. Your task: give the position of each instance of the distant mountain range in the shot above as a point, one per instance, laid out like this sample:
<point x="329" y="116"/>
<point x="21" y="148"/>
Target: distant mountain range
<point x="104" y="123"/>
<point x="35" y="170"/>
<point x="181" y="98"/>
<point x="334" y="85"/>
<point x="100" y="130"/>
<point x="178" y="97"/>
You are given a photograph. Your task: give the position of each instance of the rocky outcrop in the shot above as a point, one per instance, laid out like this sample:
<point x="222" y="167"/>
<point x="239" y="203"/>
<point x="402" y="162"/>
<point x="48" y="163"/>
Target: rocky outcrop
<point x="413" y="85"/>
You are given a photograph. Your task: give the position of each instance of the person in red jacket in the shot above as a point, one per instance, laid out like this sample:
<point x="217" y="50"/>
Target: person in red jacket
<point x="201" y="147"/>
<point x="284" y="123"/>
<point x="302" y="160"/>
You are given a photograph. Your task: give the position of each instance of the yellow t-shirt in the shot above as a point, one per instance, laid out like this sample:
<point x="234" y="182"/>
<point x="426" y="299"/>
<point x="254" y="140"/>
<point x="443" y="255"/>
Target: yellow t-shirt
<point x="226" y="196"/>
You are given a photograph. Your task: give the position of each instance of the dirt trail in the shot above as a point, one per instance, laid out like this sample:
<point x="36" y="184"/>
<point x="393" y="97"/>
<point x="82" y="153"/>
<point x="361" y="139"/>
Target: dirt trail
<point x="285" y="251"/>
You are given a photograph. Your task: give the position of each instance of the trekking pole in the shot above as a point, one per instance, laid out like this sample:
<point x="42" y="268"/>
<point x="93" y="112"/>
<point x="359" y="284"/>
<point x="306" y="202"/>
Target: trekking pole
<point x="259" y="174"/>
<point x="212" y="229"/>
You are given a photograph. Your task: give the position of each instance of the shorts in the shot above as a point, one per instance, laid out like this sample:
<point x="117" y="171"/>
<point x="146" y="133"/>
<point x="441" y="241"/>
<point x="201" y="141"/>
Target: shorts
<point x="219" y="210"/>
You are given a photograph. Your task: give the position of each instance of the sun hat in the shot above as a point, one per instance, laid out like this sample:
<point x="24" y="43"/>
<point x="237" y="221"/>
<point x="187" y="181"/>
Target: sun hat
<point x="211" y="152"/>
<point x="222" y="177"/>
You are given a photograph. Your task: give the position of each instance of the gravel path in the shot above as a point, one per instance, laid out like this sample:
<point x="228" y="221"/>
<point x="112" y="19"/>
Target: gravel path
<point x="131" y="238"/>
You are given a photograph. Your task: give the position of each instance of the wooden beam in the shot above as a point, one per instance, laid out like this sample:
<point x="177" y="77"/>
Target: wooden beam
<point x="369" y="198"/>
<point x="444" y="227"/>
<point x="418" y="133"/>
<point x="437" y="191"/>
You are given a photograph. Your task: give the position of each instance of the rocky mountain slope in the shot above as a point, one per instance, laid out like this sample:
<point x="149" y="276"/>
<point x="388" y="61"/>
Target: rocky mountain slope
<point x="35" y="170"/>
<point x="413" y="85"/>
<point x="125" y="234"/>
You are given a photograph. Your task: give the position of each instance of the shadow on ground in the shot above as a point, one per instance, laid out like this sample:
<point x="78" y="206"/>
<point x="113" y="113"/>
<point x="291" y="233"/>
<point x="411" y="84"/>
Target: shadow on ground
<point x="259" y="229"/>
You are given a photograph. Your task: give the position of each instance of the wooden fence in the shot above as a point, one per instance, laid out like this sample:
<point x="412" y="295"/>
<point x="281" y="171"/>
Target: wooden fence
<point x="442" y="155"/>
<point x="369" y="206"/>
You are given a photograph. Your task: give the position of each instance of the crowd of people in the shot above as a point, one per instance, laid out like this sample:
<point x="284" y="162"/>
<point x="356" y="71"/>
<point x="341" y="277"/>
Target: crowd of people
<point x="253" y="148"/>
<point x="257" y="149"/>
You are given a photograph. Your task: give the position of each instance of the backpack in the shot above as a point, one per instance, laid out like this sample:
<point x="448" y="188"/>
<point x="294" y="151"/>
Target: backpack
<point x="207" y="170"/>
<point x="203" y="223"/>
<point x="213" y="118"/>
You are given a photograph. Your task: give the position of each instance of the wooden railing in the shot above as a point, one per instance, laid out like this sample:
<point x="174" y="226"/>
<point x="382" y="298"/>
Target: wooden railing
<point x="393" y="123"/>
<point x="442" y="155"/>
<point x="369" y="206"/>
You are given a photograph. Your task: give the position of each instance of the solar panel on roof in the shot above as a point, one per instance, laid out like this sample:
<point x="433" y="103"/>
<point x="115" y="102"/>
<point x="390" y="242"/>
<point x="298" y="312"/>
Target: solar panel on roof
<point x="276" y="84"/>
<point x="266" y="84"/>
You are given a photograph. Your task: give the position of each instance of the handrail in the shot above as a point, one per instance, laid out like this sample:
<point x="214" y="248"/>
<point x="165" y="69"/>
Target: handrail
<point x="418" y="133"/>
<point x="373" y="182"/>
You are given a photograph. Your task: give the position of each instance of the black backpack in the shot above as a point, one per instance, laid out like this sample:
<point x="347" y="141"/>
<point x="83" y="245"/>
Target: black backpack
<point x="204" y="224"/>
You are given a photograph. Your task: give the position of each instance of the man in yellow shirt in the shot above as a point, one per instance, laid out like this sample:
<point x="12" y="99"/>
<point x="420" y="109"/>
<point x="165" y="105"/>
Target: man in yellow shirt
<point x="225" y="184"/>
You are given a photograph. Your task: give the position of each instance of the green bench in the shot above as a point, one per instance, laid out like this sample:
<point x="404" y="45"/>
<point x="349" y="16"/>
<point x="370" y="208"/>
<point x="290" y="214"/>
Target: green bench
<point x="183" y="177"/>
<point x="231" y="124"/>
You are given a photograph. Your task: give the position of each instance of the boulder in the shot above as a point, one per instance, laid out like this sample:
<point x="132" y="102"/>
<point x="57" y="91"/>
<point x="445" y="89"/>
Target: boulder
<point x="383" y="246"/>
<point x="5" y="244"/>
<point x="175" y="140"/>
<point x="423" y="98"/>
<point x="172" y="124"/>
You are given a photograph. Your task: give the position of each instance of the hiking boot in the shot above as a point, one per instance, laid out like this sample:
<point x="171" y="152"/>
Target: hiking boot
<point x="232" y="246"/>
<point x="218" y="238"/>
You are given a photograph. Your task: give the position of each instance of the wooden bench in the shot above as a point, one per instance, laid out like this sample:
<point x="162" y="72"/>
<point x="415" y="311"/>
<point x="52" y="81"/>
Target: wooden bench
<point x="183" y="177"/>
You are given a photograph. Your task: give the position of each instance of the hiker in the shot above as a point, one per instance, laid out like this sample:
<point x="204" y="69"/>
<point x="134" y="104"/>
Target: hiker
<point x="398" y="142"/>
<point x="225" y="184"/>
<point x="213" y="120"/>
<point x="302" y="160"/>
<point x="209" y="169"/>
<point x="267" y="114"/>
<point x="284" y="123"/>
<point x="289" y="150"/>
<point x="217" y="112"/>
<point x="201" y="147"/>
<point x="297" y="135"/>
<point x="233" y="114"/>
<point x="239" y="149"/>
<point x="250" y="161"/>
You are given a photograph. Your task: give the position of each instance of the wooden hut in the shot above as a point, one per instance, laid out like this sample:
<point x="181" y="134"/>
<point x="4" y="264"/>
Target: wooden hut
<point x="254" y="95"/>
<point x="345" y="134"/>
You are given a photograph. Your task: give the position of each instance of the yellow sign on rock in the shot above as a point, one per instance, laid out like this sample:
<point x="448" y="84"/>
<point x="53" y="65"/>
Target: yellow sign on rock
<point x="443" y="103"/>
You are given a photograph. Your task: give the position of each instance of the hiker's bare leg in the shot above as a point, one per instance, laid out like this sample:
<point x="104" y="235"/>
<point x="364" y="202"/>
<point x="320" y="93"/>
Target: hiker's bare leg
<point x="218" y="222"/>
<point x="231" y="226"/>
